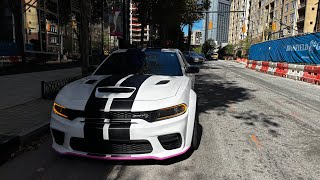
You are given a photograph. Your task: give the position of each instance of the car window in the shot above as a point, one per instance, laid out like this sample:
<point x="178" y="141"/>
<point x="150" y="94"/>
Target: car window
<point x="157" y="63"/>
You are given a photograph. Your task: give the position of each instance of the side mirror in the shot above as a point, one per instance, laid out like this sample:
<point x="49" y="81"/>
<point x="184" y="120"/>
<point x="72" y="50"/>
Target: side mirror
<point x="91" y="69"/>
<point x="192" y="69"/>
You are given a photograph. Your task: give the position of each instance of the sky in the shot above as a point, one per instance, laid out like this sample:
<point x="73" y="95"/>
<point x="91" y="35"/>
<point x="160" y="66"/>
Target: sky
<point x="196" y="26"/>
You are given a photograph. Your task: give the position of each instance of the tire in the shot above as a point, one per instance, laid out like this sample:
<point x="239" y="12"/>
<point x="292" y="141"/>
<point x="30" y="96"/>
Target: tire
<point x="195" y="137"/>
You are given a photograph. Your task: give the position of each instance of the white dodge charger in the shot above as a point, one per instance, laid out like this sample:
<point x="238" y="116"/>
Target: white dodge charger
<point x="138" y="104"/>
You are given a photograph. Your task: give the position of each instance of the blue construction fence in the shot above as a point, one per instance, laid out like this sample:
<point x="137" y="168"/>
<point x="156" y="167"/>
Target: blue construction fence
<point x="299" y="49"/>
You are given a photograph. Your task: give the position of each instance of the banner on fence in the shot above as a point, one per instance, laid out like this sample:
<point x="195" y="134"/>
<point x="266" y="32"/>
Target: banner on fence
<point x="299" y="49"/>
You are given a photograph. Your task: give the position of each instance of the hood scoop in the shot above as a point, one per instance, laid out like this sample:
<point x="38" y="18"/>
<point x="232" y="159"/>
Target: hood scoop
<point x="163" y="82"/>
<point x="115" y="90"/>
<point x="91" y="81"/>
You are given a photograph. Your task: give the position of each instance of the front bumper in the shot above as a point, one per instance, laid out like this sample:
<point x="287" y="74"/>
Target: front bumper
<point x="140" y="130"/>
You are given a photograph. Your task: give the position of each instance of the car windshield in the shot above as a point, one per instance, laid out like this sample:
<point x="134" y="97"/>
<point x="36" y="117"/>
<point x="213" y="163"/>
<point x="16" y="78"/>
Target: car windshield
<point x="156" y="63"/>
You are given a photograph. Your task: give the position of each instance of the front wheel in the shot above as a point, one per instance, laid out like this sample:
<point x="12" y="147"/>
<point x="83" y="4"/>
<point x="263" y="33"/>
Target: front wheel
<point x="195" y="137"/>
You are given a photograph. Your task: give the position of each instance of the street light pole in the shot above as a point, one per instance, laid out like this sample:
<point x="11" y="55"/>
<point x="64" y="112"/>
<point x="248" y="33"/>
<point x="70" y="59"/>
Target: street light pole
<point x="206" y="27"/>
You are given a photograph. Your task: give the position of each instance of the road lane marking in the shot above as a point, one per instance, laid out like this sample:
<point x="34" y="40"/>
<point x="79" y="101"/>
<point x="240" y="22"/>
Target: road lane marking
<point x="256" y="141"/>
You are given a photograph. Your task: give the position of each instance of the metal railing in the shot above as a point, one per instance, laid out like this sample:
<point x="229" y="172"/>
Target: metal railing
<point x="50" y="89"/>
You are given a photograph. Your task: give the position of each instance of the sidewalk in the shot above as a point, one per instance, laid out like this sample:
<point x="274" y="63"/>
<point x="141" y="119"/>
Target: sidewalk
<point x="23" y="114"/>
<point x="21" y="88"/>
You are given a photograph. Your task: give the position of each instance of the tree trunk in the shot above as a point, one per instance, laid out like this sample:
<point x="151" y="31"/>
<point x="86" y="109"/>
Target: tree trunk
<point x="84" y="35"/>
<point x="15" y="7"/>
<point x="189" y="36"/>
<point x="19" y="36"/>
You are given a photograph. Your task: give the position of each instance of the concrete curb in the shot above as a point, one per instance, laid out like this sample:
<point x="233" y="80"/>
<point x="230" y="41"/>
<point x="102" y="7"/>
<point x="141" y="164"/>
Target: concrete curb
<point x="9" y="145"/>
<point x="28" y="136"/>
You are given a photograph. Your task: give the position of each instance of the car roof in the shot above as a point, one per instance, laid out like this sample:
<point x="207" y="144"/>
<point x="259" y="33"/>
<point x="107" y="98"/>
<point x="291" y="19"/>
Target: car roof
<point x="146" y="49"/>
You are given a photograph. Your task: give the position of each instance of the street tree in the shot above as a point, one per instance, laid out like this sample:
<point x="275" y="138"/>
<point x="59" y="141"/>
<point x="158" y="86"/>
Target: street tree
<point x="209" y="46"/>
<point x="170" y="16"/>
<point x="84" y="37"/>
<point x="193" y="11"/>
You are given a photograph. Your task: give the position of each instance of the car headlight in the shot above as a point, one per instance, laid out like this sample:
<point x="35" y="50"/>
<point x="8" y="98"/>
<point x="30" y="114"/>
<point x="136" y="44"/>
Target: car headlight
<point x="171" y="112"/>
<point x="65" y="112"/>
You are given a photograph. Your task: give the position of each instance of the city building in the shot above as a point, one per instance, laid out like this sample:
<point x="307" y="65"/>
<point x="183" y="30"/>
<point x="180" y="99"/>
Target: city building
<point x="135" y="28"/>
<point x="307" y="11"/>
<point x="47" y="32"/>
<point x="219" y="22"/>
<point x="239" y="21"/>
<point x="263" y="21"/>
<point x="196" y="37"/>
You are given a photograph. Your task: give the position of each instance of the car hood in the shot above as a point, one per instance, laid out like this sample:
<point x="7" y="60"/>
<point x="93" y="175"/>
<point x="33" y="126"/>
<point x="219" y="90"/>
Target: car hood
<point x="120" y="88"/>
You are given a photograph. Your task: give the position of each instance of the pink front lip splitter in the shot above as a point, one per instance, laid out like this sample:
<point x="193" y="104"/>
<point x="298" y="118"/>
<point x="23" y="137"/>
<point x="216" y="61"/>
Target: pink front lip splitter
<point x="126" y="158"/>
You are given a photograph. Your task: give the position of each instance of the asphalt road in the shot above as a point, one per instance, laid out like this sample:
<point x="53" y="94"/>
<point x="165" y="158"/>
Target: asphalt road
<point x="255" y="126"/>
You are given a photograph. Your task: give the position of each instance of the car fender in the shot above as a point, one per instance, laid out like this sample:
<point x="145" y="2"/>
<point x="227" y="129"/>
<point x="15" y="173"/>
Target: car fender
<point x="191" y="117"/>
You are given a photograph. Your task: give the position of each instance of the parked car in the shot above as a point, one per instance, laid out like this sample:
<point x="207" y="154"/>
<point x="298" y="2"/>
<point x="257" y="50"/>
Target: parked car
<point x="138" y="104"/>
<point x="203" y="55"/>
<point x="192" y="57"/>
<point x="213" y="56"/>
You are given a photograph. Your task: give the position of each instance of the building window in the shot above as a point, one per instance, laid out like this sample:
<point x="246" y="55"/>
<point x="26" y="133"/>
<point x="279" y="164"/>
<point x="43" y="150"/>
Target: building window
<point x="286" y="8"/>
<point x="292" y="17"/>
<point x="285" y="19"/>
<point x="293" y="3"/>
<point x="311" y="22"/>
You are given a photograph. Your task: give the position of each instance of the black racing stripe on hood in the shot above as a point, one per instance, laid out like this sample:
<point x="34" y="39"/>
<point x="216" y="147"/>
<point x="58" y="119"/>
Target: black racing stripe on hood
<point x="93" y="130"/>
<point x="125" y="104"/>
<point x="121" y="131"/>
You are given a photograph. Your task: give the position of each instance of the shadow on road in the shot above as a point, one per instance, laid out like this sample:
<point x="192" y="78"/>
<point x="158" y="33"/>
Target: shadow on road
<point x="214" y="92"/>
<point x="252" y="118"/>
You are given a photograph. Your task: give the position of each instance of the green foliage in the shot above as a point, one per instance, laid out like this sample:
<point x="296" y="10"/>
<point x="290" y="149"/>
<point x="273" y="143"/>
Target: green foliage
<point x="244" y="46"/>
<point x="228" y="50"/>
<point x="198" y="49"/>
<point x="239" y="54"/>
<point x="208" y="46"/>
<point x="167" y="16"/>
<point x="192" y="9"/>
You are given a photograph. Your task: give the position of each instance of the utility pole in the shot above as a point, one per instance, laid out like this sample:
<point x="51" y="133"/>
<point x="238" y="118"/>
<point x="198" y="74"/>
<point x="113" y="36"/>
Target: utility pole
<point x="189" y="36"/>
<point x="206" y="27"/>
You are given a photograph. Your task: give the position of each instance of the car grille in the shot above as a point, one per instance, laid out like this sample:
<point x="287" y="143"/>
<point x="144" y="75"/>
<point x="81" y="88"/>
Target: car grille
<point x="149" y="116"/>
<point x="111" y="147"/>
